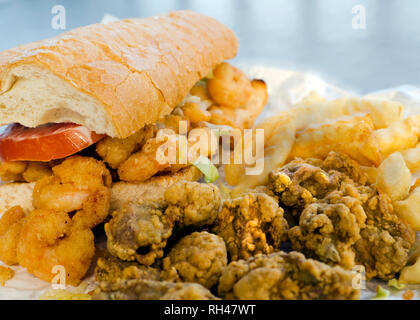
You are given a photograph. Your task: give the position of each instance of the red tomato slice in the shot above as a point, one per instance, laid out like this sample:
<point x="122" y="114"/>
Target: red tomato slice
<point x="44" y="143"/>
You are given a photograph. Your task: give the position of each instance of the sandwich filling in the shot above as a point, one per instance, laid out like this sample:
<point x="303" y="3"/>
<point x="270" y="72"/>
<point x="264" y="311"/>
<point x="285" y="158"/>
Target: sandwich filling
<point x="226" y="97"/>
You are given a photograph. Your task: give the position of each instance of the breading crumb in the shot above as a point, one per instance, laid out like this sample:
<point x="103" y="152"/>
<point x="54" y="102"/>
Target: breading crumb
<point x="408" y="295"/>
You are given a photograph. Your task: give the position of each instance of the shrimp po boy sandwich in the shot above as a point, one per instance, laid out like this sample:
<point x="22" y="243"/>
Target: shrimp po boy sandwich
<point x="81" y="115"/>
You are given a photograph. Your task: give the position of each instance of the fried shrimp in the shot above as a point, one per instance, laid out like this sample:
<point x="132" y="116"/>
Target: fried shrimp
<point x="79" y="184"/>
<point x="57" y="233"/>
<point x="12" y="170"/>
<point x="242" y="117"/>
<point x="195" y="112"/>
<point x="229" y="86"/>
<point x="167" y="152"/>
<point x="29" y="171"/>
<point x="115" y="151"/>
<point x="142" y="165"/>
<point x="10" y="227"/>
<point x="48" y="239"/>
<point x="35" y="171"/>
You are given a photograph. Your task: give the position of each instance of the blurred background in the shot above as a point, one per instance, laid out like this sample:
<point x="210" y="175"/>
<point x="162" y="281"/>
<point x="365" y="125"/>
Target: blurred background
<point x="310" y="35"/>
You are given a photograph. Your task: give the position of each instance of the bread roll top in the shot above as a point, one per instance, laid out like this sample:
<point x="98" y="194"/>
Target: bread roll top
<point x="112" y="78"/>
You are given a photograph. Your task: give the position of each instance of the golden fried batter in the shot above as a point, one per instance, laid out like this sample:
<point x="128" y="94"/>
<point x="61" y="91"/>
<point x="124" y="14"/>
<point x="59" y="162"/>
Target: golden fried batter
<point x="328" y="232"/>
<point x="285" y="276"/>
<point x="199" y="257"/>
<point x="140" y="232"/>
<point x="5" y="274"/>
<point x="251" y="224"/>
<point x="115" y="151"/>
<point x="229" y="86"/>
<point x="57" y="233"/>
<point x="28" y="171"/>
<point x="49" y="239"/>
<point x="196" y="204"/>
<point x="10" y="226"/>
<point x="341" y="218"/>
<point x="165" y="153"/>
<point x="111" y="269"/>
<point x="137" y="289"/>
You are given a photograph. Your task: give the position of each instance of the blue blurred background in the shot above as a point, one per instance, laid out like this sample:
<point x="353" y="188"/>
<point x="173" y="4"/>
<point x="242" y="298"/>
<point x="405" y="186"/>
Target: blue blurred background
<point x="310" y="35"/>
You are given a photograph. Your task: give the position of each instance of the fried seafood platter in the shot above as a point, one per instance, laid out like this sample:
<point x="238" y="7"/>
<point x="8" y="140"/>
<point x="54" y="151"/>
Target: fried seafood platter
<point x="333" y="208"/>
<point x="125" y="174"/>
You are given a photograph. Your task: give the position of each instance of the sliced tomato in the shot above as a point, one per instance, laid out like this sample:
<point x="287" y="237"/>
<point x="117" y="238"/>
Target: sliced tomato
<point x="44" y="143"/>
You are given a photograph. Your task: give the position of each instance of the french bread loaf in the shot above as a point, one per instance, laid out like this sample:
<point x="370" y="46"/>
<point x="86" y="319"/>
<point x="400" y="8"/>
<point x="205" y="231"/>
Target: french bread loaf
<point x="112" y="78"/>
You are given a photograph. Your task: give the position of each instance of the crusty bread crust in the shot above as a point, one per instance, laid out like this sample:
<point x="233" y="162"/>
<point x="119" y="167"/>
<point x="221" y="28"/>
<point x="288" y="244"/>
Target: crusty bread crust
<point x="135" y="70"/>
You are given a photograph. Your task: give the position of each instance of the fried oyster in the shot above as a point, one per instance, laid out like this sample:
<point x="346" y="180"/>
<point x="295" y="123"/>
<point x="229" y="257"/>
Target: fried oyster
<point x="199" y="257"/>
<point x="111" y="269"/>
<point x="285" y="276"/>
<point x="140" y="232"/>
<point x="251" y="224"/>
<point x="137" y="289"/>
<point x="123" y="280"/>
<point x="341" y="218"/>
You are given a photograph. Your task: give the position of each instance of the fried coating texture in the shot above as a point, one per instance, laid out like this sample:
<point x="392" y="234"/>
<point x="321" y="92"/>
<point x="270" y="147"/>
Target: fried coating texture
<point x="58" y="232"/>
<point x="49" y="239"/>
<point x="165" y="153"/>
<point x="28" y="171"/>
<point x="242" y="117"/>
<point x="111" y="269"/>
<point x="229" y="86"/>
<point x="285" y="276"/>
<point x="199" y="257"/>
<point x="10" y="227"/>
<point x="140" y="232"/>
<point x="251" y="224"/>
<point x="342" y="219"/>
<point x="115" y="151"/>
<point x="5" y="274"/>
<point x="79" y="184"/>
<point x="137" y="289"/>
<point x="196" y="204"/>
<point x="143" y="164"/>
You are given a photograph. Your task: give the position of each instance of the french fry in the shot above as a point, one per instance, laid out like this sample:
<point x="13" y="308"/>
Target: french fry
<point x="399" y="135"/>
<point x="409" y="209"/>
<point x="354" y="137"/>
<point x="235" y="172"/>
<point x="277" y="148"/>
<point x="313" y="97"/>
<point x="415" y="185"/>
<point x="393" y="177"/>
<point x="412" y="158"/>
<point x="383" y="113"/>
<point x="411" y="274"/>
<point x="371" y="172"/>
